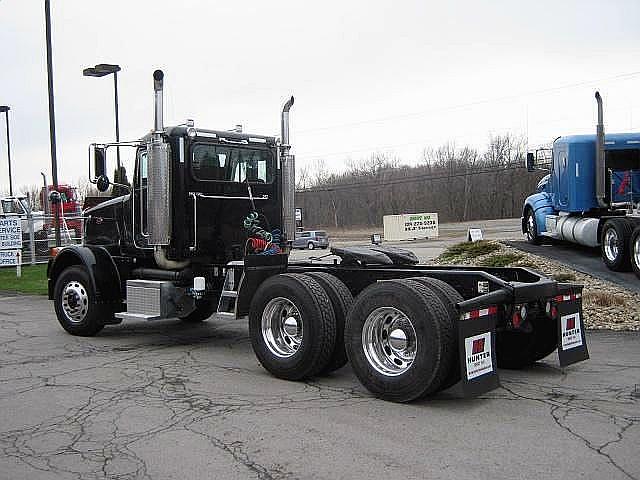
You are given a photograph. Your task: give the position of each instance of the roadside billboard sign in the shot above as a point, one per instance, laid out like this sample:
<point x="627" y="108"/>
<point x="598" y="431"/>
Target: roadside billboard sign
<point x="410" y="225"/>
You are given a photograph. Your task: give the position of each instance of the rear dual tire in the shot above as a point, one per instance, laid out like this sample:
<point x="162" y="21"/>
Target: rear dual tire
<point x="634" y="251"/>
<point x="292" y="326"/>
<point x="615" y="242"/>
<point x="341" y="301"/>
<point x="400" y="340"/>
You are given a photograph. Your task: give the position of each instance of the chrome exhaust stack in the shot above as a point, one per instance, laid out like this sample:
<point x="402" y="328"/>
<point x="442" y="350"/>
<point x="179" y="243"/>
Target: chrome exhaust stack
<point x="159" y="184"/>
<point x="288" y="169"/>
<point x="158" y="81"/>
<point x="600" y="165"/>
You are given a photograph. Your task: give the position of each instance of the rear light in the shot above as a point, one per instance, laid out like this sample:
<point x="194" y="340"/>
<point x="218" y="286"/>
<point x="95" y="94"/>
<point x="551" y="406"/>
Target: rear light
<point x="567" y="298"/>
<point x="53" y="251"/>
<point x="482" y="312"/>
<point x="519" y="315"/>
<point x="516" y="320"/>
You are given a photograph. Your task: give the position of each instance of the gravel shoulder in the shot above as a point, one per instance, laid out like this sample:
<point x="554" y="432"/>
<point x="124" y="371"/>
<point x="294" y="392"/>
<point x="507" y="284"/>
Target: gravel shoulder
<point x="606" y="305"/>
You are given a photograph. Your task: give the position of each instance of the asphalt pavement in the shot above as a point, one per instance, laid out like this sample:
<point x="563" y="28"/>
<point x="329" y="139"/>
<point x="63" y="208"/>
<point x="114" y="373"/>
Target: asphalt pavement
<point x="166" y="400"/>
<point x="583" y="259"/>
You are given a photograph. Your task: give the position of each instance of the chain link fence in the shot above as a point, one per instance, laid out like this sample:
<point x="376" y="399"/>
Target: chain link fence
<point x="39" y="235"/>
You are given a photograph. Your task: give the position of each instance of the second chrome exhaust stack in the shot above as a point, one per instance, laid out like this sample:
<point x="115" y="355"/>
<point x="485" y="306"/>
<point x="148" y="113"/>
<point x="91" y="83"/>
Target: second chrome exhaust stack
<point x="158" y="80"/>
<point x="600" y="164"/>
<point x="288" y="167"/>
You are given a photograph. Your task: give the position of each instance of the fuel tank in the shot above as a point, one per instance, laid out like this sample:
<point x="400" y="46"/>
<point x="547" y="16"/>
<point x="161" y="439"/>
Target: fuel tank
<point x="583" y="231"/>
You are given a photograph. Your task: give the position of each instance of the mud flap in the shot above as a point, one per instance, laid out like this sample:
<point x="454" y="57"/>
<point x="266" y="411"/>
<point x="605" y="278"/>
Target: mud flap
<point x="477" y="352"/>
<point x="572" y="343"/>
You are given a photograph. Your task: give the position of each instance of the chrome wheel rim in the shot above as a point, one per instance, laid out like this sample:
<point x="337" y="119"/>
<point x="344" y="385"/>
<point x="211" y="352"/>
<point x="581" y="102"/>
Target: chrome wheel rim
<point x="636" y="251"/>
<point x="611" y="244"/>
<point x="75" y="301"/>
<point x="282" y="328"/>
<point x="531" y="230"/>
<point x="389" y="341"/>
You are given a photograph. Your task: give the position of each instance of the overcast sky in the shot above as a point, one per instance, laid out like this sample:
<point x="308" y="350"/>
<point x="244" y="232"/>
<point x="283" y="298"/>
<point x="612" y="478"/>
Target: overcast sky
<point x="368" y="76"/>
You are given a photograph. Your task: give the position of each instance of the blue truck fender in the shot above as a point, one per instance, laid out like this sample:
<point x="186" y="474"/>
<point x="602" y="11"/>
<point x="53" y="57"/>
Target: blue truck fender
<point x="541" y="205"/>
<point x="104" y="275"/>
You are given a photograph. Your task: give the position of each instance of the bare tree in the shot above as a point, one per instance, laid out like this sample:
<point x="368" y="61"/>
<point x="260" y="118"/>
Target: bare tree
<point x="458" y="183"/>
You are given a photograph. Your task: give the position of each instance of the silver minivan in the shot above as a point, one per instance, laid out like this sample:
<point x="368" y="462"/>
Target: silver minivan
<point x="311" y="239"/>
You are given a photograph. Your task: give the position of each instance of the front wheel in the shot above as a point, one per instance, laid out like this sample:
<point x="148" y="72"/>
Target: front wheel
<point x="634" y="247"/>
<point x="311" y="246"/>
<point x="75" y="303"/>
<point x="615" y="239"/>
<point x="531" y="227"/>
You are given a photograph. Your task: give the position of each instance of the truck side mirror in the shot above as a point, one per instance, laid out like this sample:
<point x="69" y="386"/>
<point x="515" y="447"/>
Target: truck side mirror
<point x="99" y="161"/>
<point x="531" y="162"/>
<point x="102" y="184"/>
<point x="54" y="197"/>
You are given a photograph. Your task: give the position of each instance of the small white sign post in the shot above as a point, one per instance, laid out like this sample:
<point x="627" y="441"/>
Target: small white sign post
<point x="11" y="243"/>
<point x="474" y="235"/>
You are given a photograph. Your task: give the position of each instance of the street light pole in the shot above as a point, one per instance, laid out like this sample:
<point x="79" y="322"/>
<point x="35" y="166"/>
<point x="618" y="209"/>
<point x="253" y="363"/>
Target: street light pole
<point x="52" y="116"/>
<point x="5" y="109"/>
<point x="101" y="70"/>
<point x="115" y="95"/>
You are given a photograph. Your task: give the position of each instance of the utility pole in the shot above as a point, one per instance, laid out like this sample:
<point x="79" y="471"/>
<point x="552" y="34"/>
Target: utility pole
<point x="5" y="109"/>
<point x="52" y="116"/>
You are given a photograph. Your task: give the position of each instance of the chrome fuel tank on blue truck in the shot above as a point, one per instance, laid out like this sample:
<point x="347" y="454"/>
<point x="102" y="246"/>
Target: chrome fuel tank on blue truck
<point x="572" y="181"/>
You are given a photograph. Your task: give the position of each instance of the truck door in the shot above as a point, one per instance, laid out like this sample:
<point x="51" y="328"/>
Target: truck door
<point x="562" y="177"/>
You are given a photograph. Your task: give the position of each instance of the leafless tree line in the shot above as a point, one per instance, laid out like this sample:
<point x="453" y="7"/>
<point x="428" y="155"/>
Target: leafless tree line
<point x="458" y="183"/>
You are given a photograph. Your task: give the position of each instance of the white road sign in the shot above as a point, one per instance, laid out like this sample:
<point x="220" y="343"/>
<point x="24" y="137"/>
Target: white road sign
<point x="9" y="258"/>
<point x="10" y="234"/>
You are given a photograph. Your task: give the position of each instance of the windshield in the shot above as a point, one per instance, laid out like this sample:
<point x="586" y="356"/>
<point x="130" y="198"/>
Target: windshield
<point x="231" y="164"/>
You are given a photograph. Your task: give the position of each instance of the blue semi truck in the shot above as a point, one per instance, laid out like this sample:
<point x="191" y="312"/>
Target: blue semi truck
<point x="591" y="195"/>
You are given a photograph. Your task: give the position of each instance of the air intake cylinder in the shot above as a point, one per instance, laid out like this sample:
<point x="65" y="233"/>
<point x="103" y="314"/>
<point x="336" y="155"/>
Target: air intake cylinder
<point x="159" y="174"/>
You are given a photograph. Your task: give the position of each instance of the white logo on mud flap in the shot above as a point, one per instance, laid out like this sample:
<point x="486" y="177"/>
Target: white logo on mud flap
<point x="570" y="329"/>
<point x="477" y="351"/>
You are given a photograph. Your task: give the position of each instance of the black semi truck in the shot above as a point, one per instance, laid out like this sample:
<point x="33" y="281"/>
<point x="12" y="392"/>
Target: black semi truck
<point x="206" y="227"/>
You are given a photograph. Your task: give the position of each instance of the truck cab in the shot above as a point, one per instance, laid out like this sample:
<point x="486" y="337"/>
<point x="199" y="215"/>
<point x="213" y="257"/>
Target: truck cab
<point x="216" y="178"/>
<point x="591" y="196"/>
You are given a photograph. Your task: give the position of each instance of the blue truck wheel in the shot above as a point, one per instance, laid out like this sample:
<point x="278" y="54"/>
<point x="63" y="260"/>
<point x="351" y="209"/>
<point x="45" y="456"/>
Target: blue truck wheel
<point x="614" y="244"/>
<point x="531" y="227"/>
